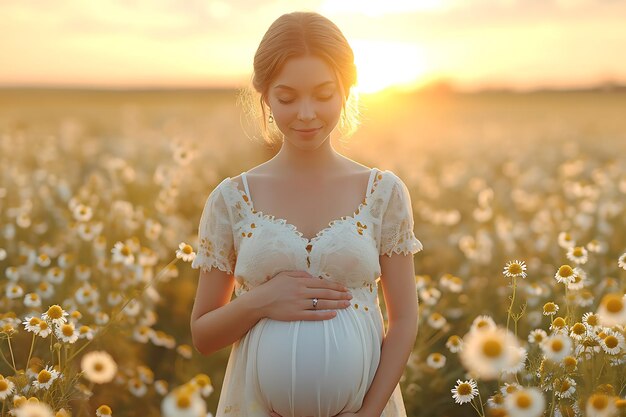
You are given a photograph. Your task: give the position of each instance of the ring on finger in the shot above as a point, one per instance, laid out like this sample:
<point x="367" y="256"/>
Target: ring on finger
<point x="315" y="303"/>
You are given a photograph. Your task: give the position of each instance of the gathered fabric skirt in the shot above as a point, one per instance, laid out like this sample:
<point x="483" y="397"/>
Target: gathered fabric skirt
<point x="308" y="368"/>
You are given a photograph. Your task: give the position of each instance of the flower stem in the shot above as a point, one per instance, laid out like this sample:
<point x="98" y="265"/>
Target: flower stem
<point x="509" y="312"/>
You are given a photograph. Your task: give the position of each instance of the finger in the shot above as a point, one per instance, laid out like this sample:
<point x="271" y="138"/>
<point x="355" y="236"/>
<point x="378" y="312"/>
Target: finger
<point x="325" y="283"/>
<point x="311" y="315"/>
<point x="326" y="304"/>
<point x="327" y="294"/>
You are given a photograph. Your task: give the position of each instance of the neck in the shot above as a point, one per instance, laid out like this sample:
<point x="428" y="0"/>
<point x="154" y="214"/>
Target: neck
<point x="297" y="161"/>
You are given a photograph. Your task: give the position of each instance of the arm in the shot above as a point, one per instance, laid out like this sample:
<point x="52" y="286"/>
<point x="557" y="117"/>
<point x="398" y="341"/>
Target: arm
<point x="399" y="290"/>
<point x="217" y="322"/>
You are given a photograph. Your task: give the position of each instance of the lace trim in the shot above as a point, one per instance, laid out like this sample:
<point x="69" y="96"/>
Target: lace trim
<point x="413" y="245"/>
<point x="377" y="178"/>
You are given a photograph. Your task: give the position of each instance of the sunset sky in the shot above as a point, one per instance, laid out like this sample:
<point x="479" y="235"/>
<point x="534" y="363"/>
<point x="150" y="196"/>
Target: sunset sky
<point x="521" y="44"/>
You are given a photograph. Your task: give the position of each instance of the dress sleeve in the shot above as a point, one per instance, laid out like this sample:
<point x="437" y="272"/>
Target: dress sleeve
<point x="397" y="223"/>
<point x="215" y="236"/>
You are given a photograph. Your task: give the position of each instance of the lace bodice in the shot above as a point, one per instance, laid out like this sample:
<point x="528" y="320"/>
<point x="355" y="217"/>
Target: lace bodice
<point x="255" y="246"/>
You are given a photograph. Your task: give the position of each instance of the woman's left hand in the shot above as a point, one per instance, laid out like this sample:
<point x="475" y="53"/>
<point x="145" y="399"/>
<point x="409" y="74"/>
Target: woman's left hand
<point x="273" y="414"/>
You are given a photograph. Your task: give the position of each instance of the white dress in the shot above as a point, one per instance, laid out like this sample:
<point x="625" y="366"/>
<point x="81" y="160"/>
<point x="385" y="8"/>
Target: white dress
<point x="307" y="368"/>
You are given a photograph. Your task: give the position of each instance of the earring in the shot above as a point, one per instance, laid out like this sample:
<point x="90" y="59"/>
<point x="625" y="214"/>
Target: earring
<point x="271" y="118"/>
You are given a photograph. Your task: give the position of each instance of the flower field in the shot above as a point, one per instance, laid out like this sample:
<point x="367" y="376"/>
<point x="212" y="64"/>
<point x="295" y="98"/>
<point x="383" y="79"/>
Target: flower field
<point x="519" y="201"/>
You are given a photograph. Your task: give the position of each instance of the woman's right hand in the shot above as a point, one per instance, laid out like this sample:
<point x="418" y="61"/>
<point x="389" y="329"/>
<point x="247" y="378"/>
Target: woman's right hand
<point x="288" y="296"/>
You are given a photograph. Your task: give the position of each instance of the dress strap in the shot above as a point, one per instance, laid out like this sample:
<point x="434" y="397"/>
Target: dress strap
<point x="245" y="184"/>
<point x="369" y="183"/>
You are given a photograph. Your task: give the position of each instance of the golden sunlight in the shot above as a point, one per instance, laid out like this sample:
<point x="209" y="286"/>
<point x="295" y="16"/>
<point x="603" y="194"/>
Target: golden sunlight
<point x="382" y="64"/>
<point x="378" y="8"/>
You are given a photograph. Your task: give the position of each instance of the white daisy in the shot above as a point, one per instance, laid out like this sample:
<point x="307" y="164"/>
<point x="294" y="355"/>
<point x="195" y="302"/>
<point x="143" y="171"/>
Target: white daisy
<point x="436" y="321"/>
<point x="34" y="409"/>
<point x="13" y="290"/>
<point x="137" y="387"/>
<point x="55" y="315"/>
<point x="612" y="310"/>
<point x="489" y="352"/>
<point x="556" y="347"/>
<point x="12" y="273"/>
<point x="525" y="402"/>
<point x="577" y="254"/>
<point x="122" y="253"/>
<point x="566" y="240"/>
<point x="550" y="309"/>
<point x="203" y="382"/>
<point x="98" y="367"/>
<point x="613" y="343"/>
<point x="565" y="274"/>
<point x="104" y="411"/>
<point x="46" y="377"/>
<point x="579" y="280"/>
<point x="86" y="332"/>
<point x="67" y="333"/>
<point x="483" y="322"/>
<point x="465" y="391"/>
<point x="82" y="213"/>
<point x="592" y="320"/>
<point x="183" y="402"/>
<point x="436" y="360"/>
<point x="32" y="299"/>
<point x="160" y="386"/>
<point x="621" y="261"/>
<point x="509" y="388"/>
<point x="43" y="260"/>
<point x="564" y="388"/>
<point x="578" y="331"/>
<point x="537" y="336"/>
<point x="6" y="388"/>
<point x="515" y="269"/>
<point x="185" y="252"/>
<point x="600" y="405"/>
<point x="454" y="343"/>
<point x="55" y="275"/>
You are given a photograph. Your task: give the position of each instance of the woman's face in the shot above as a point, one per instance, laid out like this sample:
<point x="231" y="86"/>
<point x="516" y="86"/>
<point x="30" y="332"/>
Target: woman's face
<point x="305" y="100"/>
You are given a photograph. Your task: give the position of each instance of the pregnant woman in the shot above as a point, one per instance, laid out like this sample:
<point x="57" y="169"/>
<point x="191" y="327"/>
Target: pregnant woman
<point x="303" y="240"/>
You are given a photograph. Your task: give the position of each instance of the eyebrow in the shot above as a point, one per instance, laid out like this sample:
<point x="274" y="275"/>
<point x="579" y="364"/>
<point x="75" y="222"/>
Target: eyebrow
<point x="317" y="86"/>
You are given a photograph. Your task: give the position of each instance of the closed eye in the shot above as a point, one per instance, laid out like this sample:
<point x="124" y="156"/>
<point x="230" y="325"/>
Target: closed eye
<point x="291" y="101"/>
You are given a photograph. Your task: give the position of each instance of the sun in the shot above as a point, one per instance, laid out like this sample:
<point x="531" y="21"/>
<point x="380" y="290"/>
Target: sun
<point x="381" y="64"/>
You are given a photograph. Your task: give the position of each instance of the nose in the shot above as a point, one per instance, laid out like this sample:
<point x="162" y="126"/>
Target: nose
<point x="306" y="111"/>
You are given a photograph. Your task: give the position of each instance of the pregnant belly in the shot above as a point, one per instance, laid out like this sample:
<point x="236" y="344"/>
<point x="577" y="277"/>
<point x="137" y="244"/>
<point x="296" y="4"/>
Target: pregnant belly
<point x="317" y="368"/>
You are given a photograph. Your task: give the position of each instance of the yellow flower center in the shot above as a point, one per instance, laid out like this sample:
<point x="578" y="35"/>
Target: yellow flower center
<point x="565" y="385"/>
<point x="523" y="400"/>
<point x="67" y="330"/>
<point x="43" y="325"/>
<point x="187" y="249"/>
<point x="55" y="312"/>
<point x="570" y="361"/>
<point x="44" y="376"/>
<point x="613" y="303"/>
<point x="464" y="389"/>
<point x="578" y="329"/>
<point x="549" y="307"/>
<point x="183" y="400"/>
<point x="599" y="401"/>
<point x="105" y="409"/>
<point x="578" y="251"/>
<point x="611" y="342"/>
<point x="4" y="385"/>
<point x="566" y="271"/>
<point x="203" y="380"/>
<point x="592" y="320"/>
<point x="98" y="366"/>
<point x="34" y="321"/>
<point x="559" y="322"/>
<point x="515" y="269"/>
<point x="492" y="348"/>
<point x="125" y="250"/>
<point x="557" y="345"/>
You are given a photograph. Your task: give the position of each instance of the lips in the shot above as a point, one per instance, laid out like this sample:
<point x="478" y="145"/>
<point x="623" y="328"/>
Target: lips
<point x="308" y="130"/>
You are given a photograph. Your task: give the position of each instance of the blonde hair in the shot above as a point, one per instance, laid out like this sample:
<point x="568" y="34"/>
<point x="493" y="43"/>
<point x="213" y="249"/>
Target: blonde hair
<point x="294" y="35"/>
